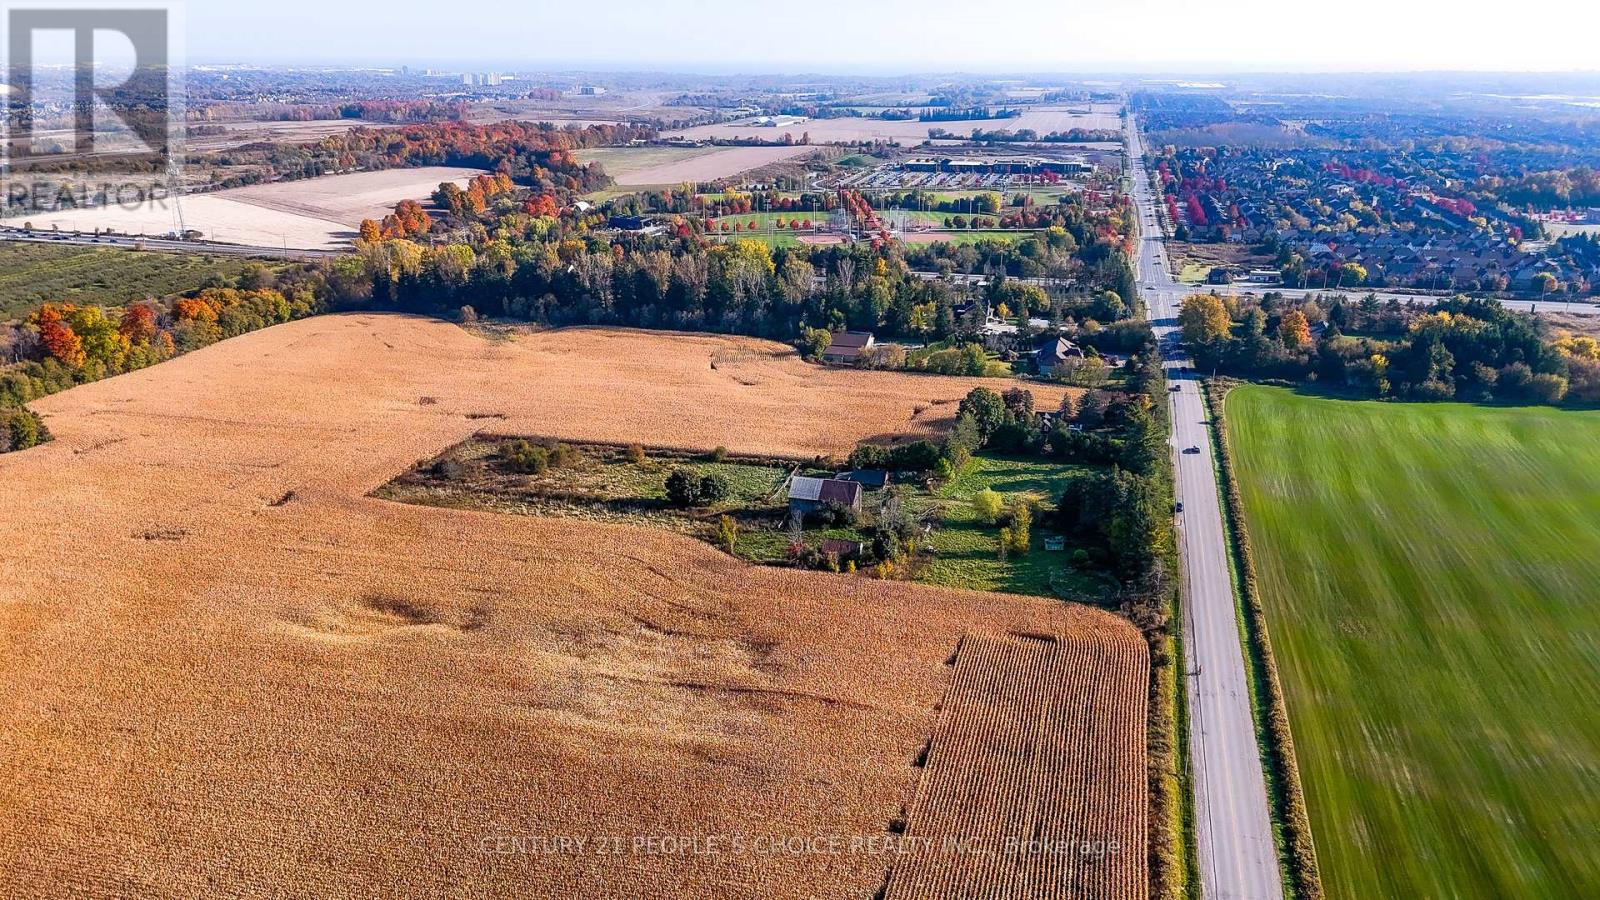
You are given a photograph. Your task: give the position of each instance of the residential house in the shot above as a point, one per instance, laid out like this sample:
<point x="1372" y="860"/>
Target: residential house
<point x="1054" y="353"/>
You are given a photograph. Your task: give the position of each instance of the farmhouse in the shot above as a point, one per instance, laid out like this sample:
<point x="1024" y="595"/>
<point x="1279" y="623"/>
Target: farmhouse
<point x="808" y="494"/>
<point x="1055" y="352"/>
<point x="848" y="346"/>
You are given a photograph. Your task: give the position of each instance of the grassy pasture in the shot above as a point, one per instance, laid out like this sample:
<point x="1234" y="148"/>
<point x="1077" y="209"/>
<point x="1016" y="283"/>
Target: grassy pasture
<point x="1429" y="574"/>
<point x="33" y="274"/>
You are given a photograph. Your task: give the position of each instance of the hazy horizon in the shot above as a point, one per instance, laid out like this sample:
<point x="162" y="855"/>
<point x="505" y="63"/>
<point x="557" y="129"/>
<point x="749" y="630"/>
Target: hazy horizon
<point x="900" y="37"/>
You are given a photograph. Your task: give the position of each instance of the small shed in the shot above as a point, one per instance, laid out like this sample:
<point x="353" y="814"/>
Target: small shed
<point x="841" y="549"/>
<point x="807" y="494"/>
<point x="869" y="479"/>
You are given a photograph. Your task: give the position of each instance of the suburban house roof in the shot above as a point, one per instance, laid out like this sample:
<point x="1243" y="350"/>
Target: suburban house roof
<point x="1058" y="349"/>
<point x="824" y="490"/>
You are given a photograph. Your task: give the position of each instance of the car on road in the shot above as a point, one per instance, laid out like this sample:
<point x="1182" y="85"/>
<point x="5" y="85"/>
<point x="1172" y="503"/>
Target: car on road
<point x="1191" y="449"/>
<point x="1178" y="507"/>
<point x="1175" y="388"/>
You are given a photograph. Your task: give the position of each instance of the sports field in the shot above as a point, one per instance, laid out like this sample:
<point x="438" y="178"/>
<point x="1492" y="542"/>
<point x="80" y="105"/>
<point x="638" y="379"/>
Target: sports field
<point x="1429" y="573"/>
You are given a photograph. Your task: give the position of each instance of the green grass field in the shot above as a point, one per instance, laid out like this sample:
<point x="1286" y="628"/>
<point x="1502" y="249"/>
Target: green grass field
<point x="966" y="551"/>
<point x="1430" y="574"/>
<point x="34" y="274"/>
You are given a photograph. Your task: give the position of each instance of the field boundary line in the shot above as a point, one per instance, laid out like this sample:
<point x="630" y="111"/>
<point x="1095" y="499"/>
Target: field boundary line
<point x="1289" y="805"/>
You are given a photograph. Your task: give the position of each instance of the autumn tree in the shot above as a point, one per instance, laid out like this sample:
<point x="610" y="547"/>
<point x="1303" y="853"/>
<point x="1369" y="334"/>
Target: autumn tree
<point x="59" y="340"/>
<point x="1294" y="330"/>
<point x="1204" y="319"/>
<point x="138" y="324"/>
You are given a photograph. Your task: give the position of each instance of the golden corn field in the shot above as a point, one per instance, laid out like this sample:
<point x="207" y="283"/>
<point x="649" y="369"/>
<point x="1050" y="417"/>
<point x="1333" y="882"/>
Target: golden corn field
<point x="1033" y="785"/>
<point x="230" y="672"/>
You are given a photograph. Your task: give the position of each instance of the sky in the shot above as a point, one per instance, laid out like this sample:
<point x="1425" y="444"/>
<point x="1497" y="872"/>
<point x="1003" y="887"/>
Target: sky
<point x="905" y="36"/>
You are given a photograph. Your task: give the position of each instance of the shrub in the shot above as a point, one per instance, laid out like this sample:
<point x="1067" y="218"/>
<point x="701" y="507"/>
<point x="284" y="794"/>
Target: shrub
<point x="727" y="533"/>
<point x="563" y="456"/>
<point x="636" y="455"/>
<point x="814" y="342"/>
<point x="719" y="454"/>
<point x="987" y="505"/>
<point x="449" y="469"/>
<point x="683" y="488"/>
<point x="528" y="459"/>
<point x="916" y="456"/>
<point x="714" y="488"/>
<point x="1021" y="527"/>
<point x="21" y="429"/>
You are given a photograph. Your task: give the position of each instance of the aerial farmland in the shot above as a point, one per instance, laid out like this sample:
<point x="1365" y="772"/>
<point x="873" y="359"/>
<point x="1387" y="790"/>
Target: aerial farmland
<point x="272" y="662"/>
<point x="311" y="213"/>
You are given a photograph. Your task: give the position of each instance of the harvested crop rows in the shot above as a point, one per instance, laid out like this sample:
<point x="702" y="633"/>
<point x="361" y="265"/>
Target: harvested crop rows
<point x="309" y="213"/>
<point x="225" y="664"/>
<point x="1032" y="785"/>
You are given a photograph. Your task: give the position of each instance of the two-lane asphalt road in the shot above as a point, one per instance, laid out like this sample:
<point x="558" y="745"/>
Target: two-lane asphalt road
<point x="1238" y="858"/>
<point x="159" y="245"/>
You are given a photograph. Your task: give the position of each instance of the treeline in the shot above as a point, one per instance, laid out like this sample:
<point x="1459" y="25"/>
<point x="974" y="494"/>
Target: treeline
<point x="679" y="282"/>
<point x="556" y="266"/>
<point x="557" y="269"/>
<point x="63" y="345"/>
<point x="1558" y="189"/>
<point x="1461" y="348"/>
<point x="1030" y="136"/>
<point x="536" y="155"/>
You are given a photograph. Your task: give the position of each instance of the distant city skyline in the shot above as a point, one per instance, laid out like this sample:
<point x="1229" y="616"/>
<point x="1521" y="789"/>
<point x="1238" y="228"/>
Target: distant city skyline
<point x="903" y="36"/>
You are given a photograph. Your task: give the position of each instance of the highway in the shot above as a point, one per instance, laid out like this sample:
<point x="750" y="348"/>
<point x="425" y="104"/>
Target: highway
<point x="165" y="245"/>
<point x="1237" y="856"/>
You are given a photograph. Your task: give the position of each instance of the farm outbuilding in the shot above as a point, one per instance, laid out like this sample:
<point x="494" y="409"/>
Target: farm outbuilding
<point x="807" y="494"/>
<point x="870" y="479"/>
<point x="847" y="346"/>
<point x="841" y="549"/>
